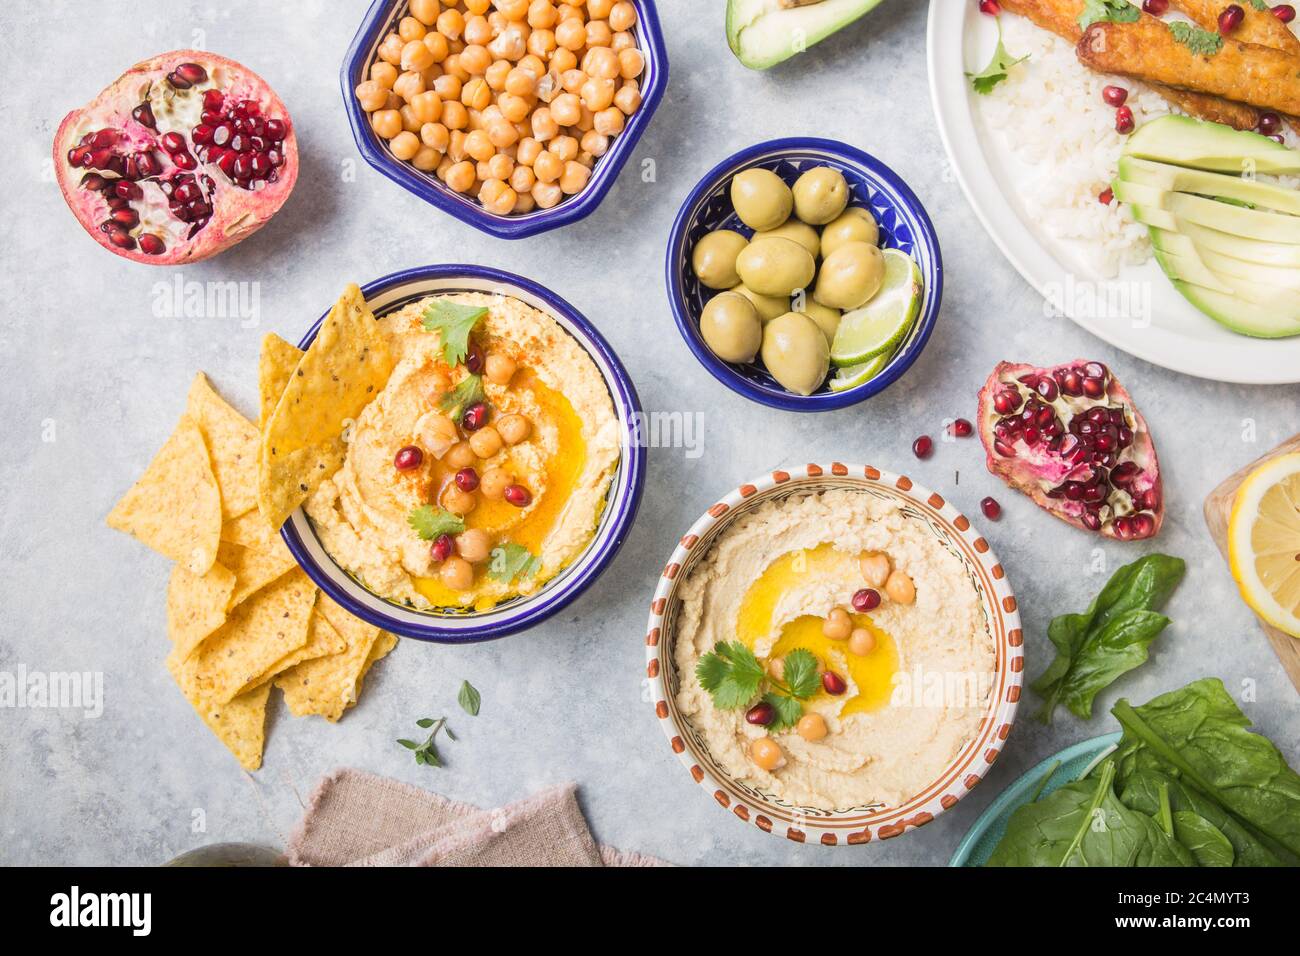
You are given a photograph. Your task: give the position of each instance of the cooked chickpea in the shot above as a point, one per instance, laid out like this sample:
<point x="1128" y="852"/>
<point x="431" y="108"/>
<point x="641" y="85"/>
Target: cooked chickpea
<point x="384" y="74"/>
<point x="597" y="95"/>
<point x="622" y="41"/>
<point x="515" y="109"/>
<point x="409" y="85"/>
<point x="521" y="82"/>
<point x="454" y="114"/>
<point x="461" y="177"/>
<point x="631" y="62"/>
<point x="410" y="122"/>
<point x="574" y="178"/>
<point x="562" y="60"/>
<point x="541" y="14"/>
<point x="436" y="433"/>
<point x="498" y="198"/>
<point x="451" y="24"/>
<point x="476" y="95"/>
<point x="500" y="167"/>
<point x="486" y="442"/>
<point x="529" y="150"/>
<point x="435" y="136"/>
<point x="476" y="7"/>
<point x="601" y="63"/>
<point x="513" y="10"/>
<point x="541" y="43"/>
<point x="438" y="46"/>
<point x="900" y="588"/>
<point x="390" y="51"/>
<point x="494" y="482"/>
<point x="547" y="168"/>
<point x="609" y="122"/>
<point x="456" y="146"/>
<point x="564" y="147"/>
<point x="511" y="46"/>
<point x="499" y="368"/>
<point x="386" y="123"/>
<point x="776" y="667"/>
<point x="475" y="60"/>
<point x="457" y="574"/>
<point x="416" y="56"/>
<point x="566" y="109"/>
<point x="622" y="16"/>
<point x="547" y="195"/>
<point x="838" y="625"/>
<point x="599" y="9"/>
<point x="426" y="160"/>
<point x="371" y="95"/>
<point x="460" y="455"/>
<point x="571" y="10"/>
<point x="478" y="32"/>
<point x="458" y="502"/>
<point x="522" y="180"/>
<point x="411" y="29"/>
<point x="474" y="545"/>
<point x="597" y="144"/>
<point x="502" y="133"/>
<point x="875" y="567"/>
<point x="427" y="107"/>
<point x="426" y="11"/>
<point x="811" y="727"/>
<point x="766" y="754"/>
<point x="571" y="81"/>
<point x="496" y="75"/>
<point x="405" y="145"/>
<point x="479" y="146"/>
<point x="571" y="34"/>
<point x="628" y="98"/>
<point x="447" y="87"/>
<point x="513" y="428"/>
<point x="544" y="125"/>
<point x="861" y="642"/>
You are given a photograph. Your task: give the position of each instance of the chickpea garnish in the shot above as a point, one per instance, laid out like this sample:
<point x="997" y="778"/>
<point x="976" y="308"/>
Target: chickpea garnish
<point x="458" y="502"/>
<point x="457" y="573"/>
<point x="861" y="642"/>
<point x="838" y="625"/>
<point x="875" y="568"/>
<point x="900" y="588"/>
<point x="766" y="754"/>
<point x="513" y="428"/>
<point x="811" y="727"/>
<point x="485" y="442"/>
<point x="474" y="545"/>
<point x="494" y="483"/>
<point x="437" y="433"/>
<point x="499" y="369"/>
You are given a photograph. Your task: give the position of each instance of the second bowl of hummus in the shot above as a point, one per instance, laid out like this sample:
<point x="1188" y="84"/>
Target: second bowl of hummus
<point x="495" y="474"/>
<point x="835" y="653"/>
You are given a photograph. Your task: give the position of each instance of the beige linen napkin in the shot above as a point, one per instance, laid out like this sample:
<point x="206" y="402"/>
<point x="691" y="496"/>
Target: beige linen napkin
<point x="355" y="818"/>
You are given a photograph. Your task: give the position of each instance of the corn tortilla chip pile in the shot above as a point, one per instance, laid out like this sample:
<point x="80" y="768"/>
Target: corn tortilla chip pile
<point x="241" y="616"/>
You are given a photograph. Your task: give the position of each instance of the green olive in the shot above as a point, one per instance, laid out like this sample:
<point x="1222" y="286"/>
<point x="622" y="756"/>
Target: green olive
<point x="827" y="319"/>
<point x="775" y="266"/>
<point x="854" y="225"/>
<point x="820" y="195"/>
<point x="850" y="276"/>
<point x="761" y="199"/>
<point x="714" y="258"/>
<point x="768" y="306"/>
<point x="800" y="232"/>
<point x="731" y="327"/>
<point x="795" y="353"/>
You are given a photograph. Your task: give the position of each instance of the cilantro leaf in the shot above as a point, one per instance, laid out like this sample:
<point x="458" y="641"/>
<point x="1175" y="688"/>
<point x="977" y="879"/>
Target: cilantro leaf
<point x="467" y="392"/>
<point x="801" y="673"/>
<point x="1259" y="5"/>
<point x="1200" y="42"/>
<point x="731" y="674"/>
<point x="788" y="710"/>
<point x="453" y="322"/>
<point x="430" y="521"/>
<point x="996" y="71"/>
<point x="1113" y="11"/>
<point x="510" y="561"/>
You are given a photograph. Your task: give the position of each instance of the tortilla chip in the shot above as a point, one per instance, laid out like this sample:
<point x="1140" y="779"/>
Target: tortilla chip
<point x="379" y="650"/>
<point x="322" y="641"/>
<point x="344" y="368"/>
<point x="328" y="686"/>
<point x="262" y="630"/>
<point x="274" y="368"/>
<point x="253" y="569"/>
<point x="175" y="507"/>
<point x="249" y="530"/>
<point x="239" y="724"/>
<point x="232" y="442"/>
<point x="196" y="605"/>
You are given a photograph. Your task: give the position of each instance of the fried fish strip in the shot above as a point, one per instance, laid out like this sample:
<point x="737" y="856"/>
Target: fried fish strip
<point x="1062" y="18"/>
<point x="1258" y="26"/>
<point x="1146" y="50"/>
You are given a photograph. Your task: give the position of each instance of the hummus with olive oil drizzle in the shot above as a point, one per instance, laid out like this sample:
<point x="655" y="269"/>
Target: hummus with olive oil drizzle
<point x="565" y="461"/>
<point x="771" y="581"/>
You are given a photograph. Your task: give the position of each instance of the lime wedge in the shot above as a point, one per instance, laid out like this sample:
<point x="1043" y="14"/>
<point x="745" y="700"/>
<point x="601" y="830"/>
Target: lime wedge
<point x="854" y="375"/>
<point x="878" y="327"/>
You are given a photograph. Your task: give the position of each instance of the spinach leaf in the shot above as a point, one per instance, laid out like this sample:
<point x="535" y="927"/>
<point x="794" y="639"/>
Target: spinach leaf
<point x="1198" y="735"/>
<point x="1110" y="638"/>
<point x="1205" y="841"/>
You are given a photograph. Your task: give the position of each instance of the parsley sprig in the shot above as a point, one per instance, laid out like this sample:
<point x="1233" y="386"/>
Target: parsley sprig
<point x="426" y="754"/>
<point x="467" y="392"/>
<point x="453" y="322"/>
<point x="510" y="561"/>
<point x="997" y="70"/>
<point x="430" y="521"/>
<point x="733" y="676"/>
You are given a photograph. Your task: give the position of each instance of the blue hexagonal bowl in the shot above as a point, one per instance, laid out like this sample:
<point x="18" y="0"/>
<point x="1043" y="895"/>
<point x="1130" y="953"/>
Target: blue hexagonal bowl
<point x="904" y="224"/>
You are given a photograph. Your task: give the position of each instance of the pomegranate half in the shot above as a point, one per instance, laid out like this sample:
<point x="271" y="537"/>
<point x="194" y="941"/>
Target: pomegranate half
<point x="181" y="157"/>
<point x="1071" y="438"/>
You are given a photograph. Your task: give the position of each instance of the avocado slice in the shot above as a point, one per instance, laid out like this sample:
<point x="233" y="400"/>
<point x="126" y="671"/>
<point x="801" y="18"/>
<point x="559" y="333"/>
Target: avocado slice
<point x="1165" y="210"/>
<point x="1184" y="141"/>
<point x="1143" y="172"/>
<point x="1275" y="319"/>
<point x="1180" y="259"/>
<point x="1271" y="281"/>
<point x="1281" y="254"/>
<point x="763" y="33"/>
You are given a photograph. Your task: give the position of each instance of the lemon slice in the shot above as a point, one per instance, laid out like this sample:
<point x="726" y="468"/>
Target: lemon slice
<point x="855" y="375"/>
<point x="1264" y="542"/>
<point x="882" y="323"/>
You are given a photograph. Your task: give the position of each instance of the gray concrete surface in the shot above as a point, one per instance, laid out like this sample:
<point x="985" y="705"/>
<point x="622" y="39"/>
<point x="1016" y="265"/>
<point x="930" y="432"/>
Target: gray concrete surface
<point x="93" y="381"/>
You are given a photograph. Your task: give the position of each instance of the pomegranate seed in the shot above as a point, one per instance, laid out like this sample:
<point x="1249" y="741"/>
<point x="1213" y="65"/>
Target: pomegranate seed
<point x="1106" y="196"/>
<point x="518" y="495"/>
<point x="120" y="238"/>
<point x="261" y="165"/>
<point x="227" y="162"/>
<point x="276" y="130"/>
<point x="1007" y="401"/>
<point x="221" y="135"/>
<point x="172" y="142"/>
<point x="128" y="190"/>
<point x="1124" y="120"/>
<point x="93" y="181"/>
<point x="992" y="510"/>
<point x="408" y="457"/>
<point x="213" y="100"/>
<point x="442" y="547"/>
<point x="143" y="114"/>
<point x="1231" y="18"/>
<point x="474" y="359"/>
<point x="1114" y="95"/>
<point x="239" y="143"/>
<point x="127" y="218"/>
<point x="202" y="133"/>
<point x="868" y="599"/>
<point x="1269" y="123"/>
<point x="192" y="73"/>
<point x="467" y="479"/>
<point x="475" y="417"/>
<point x="1004" y="449"/>
<point x="243" y="165"/>
<point x="1047" y="389"/>
<point x="148" y="164"/>
<point x="991" y="7"/>
<point x="185" y="161"/>
<point x="961" y="428"/>
<point x="152" y="245"/>
<point x="1284" y="12"/>
<point x="1143" y="526"/>
<point x="1157" y="8"/>
<point x="761" y="714"/>
<point x="834" y="683"/>
<point x="104" y="138"/>
<point x="923" y="447"/>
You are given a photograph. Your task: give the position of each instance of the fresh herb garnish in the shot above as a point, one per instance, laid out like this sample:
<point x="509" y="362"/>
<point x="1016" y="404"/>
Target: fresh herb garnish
<point x="1112" y="11"/>
<point x="426" y="754"/>
<point x="1199" y="41"/>
<point x="1110" y="638"/>
<point x="469" y="698"/>
<point x="467" y="392"/>
<point x="733" y="677"/>
<point x="430" y="521"/>
<point x="1260" y="5"/>
<point x="996" y="71"/>
<point x="453" y="322"/>
<point x="510" y="561"/>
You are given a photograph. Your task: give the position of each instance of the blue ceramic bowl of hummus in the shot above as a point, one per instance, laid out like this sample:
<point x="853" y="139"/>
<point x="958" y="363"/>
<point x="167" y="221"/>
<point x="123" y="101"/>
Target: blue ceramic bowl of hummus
<point x="581" y="458"/>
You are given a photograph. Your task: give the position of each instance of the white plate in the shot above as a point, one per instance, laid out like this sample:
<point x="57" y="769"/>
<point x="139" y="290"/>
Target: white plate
<point x="1175" y="335"/>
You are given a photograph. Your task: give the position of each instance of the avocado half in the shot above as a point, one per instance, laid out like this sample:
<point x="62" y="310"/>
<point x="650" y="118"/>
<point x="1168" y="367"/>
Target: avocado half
<point x="763" y="33"/>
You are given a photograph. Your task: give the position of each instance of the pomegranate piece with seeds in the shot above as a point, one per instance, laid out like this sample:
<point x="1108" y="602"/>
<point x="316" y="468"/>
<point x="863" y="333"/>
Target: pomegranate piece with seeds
<point x="1078" y="446"/>
<point x="155" y="129"/>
